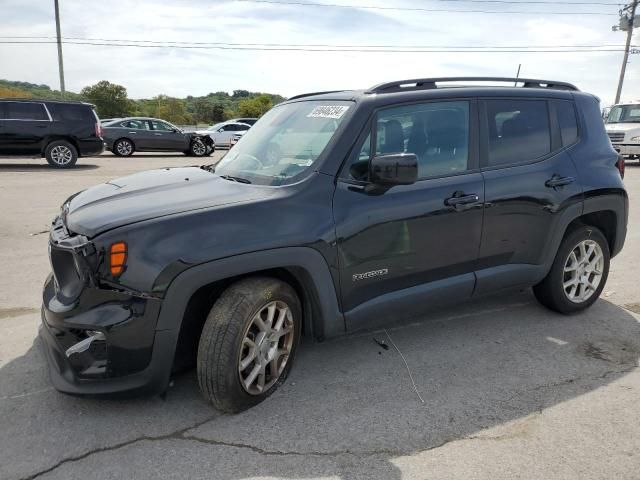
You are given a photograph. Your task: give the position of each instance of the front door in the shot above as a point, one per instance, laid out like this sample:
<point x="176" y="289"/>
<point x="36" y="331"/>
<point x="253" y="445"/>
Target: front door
<point x="404" y="249"/>
<point x="167" y="137"/>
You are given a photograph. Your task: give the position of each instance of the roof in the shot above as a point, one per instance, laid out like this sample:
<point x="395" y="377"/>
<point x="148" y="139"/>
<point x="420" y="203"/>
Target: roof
<point x="443" y="86"/>
<point x="46" y="100"/>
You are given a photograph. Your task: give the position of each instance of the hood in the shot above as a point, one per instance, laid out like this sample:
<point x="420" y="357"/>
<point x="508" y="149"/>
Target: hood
<point x="622" y="127"/>
<point x="152" y="194"/>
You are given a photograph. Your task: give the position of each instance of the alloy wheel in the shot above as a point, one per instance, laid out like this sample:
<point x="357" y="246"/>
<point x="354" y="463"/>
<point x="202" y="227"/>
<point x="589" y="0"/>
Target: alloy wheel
<point x="124" y="147"/>
<point x="266" y="347"/>
<point x="198" y="148"/>
<point x="61" y="155"/>
<point x="583" y="271"/>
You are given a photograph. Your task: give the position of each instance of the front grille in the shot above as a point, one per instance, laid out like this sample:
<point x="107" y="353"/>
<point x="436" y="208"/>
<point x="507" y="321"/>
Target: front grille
<point x="616" y="137"/>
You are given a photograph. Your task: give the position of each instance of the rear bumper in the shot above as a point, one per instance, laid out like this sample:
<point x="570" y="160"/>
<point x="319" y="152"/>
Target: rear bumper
<point x="133" y="357"/>
<point x="93" y="146"/>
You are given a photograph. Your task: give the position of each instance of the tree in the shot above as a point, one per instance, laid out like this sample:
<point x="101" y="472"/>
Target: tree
<point x="110" y="99"/>
<point x="9" y="92"/>
<point x="254" y="107"/>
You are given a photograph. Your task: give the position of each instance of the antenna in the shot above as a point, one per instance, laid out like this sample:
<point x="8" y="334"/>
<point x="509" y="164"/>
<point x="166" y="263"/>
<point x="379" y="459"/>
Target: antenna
<point x="515" y="84"/>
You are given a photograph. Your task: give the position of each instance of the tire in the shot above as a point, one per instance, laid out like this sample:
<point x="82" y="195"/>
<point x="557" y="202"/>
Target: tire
<point x="198" y="148"/>
<point x="123" y="147"/>
<point x="61" y="154"/>
<point x="226" y="337"/>
<point x="551" y="292"/>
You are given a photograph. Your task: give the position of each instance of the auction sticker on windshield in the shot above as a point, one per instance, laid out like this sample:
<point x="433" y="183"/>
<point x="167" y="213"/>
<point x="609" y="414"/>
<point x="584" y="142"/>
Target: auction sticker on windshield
<point x="328" y="111"/>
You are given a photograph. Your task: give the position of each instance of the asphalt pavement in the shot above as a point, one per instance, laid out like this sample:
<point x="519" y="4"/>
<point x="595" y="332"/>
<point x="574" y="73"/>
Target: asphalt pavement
<point x="510" y="390"/>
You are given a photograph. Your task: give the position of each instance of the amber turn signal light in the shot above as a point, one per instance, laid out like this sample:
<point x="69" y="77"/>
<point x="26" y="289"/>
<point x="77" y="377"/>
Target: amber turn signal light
<point x="117" y="258"/>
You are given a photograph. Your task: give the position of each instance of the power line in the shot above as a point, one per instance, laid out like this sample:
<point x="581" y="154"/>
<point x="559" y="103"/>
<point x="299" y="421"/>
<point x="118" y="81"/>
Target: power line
<point x="536" y="2"/>
<point x="419" y="9"/>
<point x="310" y="45"/>
<point x="301" y="49"/>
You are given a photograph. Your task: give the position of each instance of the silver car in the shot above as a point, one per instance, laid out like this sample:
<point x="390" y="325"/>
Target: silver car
<point x="222" y="133"/>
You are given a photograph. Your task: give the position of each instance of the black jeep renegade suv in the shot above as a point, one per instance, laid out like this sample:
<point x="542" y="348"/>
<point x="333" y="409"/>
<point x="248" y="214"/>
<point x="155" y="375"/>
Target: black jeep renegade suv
<point x="56" y="130"/>
<point x="335" y="212"/>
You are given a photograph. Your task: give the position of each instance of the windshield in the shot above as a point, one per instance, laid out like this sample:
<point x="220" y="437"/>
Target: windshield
<point x="624" y="114"/>
<point x="284" y="143"/>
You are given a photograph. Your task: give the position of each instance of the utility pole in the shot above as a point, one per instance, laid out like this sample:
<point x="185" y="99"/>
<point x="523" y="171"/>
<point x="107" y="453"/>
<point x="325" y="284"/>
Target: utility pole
<point x="60" y="65"/>
<point x="626" y="24"/>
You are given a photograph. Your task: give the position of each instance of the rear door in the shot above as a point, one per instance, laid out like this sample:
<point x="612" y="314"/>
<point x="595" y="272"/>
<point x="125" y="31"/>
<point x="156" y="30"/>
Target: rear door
<point x="530" y="181"/>
<point x="23" y="127"/>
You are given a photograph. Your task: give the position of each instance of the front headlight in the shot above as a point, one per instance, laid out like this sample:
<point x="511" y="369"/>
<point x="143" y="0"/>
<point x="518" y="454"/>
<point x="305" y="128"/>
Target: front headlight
<point x="635" y="139"/>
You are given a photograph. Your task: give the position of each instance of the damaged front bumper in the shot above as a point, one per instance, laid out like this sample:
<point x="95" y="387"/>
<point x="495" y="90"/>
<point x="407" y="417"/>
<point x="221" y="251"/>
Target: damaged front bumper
<point x="98" y="339"/>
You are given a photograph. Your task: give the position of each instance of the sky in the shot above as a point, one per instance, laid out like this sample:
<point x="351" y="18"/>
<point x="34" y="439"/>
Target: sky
<point x="147" y="72"/>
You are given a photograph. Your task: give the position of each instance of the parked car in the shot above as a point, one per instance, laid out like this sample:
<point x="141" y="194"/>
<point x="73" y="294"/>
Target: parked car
<point x="329" y="217"/>
<point x="141" y="134"/>
<point x="623" y="128"/>
<point x="221" y="133"/>
<point x="56" y="130"/>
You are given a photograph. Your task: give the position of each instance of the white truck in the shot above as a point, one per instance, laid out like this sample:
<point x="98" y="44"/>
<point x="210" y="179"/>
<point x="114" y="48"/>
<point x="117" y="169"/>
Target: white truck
<point x="623" y="128"/>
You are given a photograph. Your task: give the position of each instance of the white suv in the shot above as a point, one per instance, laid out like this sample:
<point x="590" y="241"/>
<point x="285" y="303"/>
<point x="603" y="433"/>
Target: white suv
<point x="623" y="128"/>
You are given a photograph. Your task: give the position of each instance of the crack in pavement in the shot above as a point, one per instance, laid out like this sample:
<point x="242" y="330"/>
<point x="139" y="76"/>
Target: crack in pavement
<point x="181" y="435"/>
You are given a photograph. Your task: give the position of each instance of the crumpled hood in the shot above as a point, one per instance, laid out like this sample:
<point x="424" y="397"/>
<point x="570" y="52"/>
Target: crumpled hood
<point x="622" y="127"/>
<point x="152" y="194"/>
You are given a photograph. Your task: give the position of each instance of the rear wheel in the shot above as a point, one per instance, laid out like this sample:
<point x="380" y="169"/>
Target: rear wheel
<point x="123" y="147"/>
<point x="248" y="343"/>
<point x="579" y="272"/>
<point x="61" y="154"/>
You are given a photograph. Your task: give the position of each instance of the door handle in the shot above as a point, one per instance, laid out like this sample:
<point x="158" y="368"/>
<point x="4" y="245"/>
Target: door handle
<point x="558" y="181"/>
<point x="460" y="199"/>
<point x="158" y="134"/>
<point x="132" y="133"/>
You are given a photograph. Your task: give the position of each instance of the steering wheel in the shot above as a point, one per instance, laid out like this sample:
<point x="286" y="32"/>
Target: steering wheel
<point x="251" y="158"/>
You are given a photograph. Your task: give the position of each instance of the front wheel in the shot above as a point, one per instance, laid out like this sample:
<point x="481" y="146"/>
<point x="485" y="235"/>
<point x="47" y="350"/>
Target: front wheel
<point x="578" y="274"/>
<point x="197" y="148"/>
<point x="248" y="343"/>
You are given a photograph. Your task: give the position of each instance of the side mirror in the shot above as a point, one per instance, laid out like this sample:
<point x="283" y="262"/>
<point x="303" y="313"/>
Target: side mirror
<point x="221" y="129"/>
<point x="394" y="169"/>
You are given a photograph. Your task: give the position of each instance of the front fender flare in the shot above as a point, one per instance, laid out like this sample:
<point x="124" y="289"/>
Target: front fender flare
<point x="306" y="259"/>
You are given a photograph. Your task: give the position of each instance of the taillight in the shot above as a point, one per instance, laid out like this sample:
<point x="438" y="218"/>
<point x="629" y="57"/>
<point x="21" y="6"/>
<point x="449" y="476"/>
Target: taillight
<point x="117" y="258"/>
<point x="99" y="130"/>
<point x="620" y="165"/>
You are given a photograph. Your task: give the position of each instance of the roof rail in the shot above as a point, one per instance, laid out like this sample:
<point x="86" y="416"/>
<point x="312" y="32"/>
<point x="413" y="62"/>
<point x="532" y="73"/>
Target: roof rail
<point x="302" y="95"/>
<point x="430" y="83"/>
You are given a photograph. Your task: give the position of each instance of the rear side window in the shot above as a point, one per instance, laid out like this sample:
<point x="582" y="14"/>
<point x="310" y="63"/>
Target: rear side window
<point x="518" y="131"/>
<point x="72" y="113"/>
<point x="135" y="124"/>
<point x="23" y="111"/>
<point x="567" y="122"/>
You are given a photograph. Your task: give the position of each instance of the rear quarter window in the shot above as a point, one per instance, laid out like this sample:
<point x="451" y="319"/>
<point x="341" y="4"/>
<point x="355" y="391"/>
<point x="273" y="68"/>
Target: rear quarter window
<point x="72" y="113"/>
<point x="567" y="122"/>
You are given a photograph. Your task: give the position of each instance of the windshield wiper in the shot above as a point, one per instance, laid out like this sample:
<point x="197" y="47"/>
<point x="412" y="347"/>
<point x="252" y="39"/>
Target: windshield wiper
<point x="235" y="179"/>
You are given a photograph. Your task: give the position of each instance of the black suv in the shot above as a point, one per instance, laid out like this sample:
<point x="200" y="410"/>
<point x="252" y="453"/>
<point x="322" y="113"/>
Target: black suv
<point x="59" y="131"/>
<point x="337" y="211"/>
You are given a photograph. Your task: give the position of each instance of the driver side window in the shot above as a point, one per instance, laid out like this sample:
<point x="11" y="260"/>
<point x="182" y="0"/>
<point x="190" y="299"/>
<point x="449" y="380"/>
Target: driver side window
<point x="437" y="133"/>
